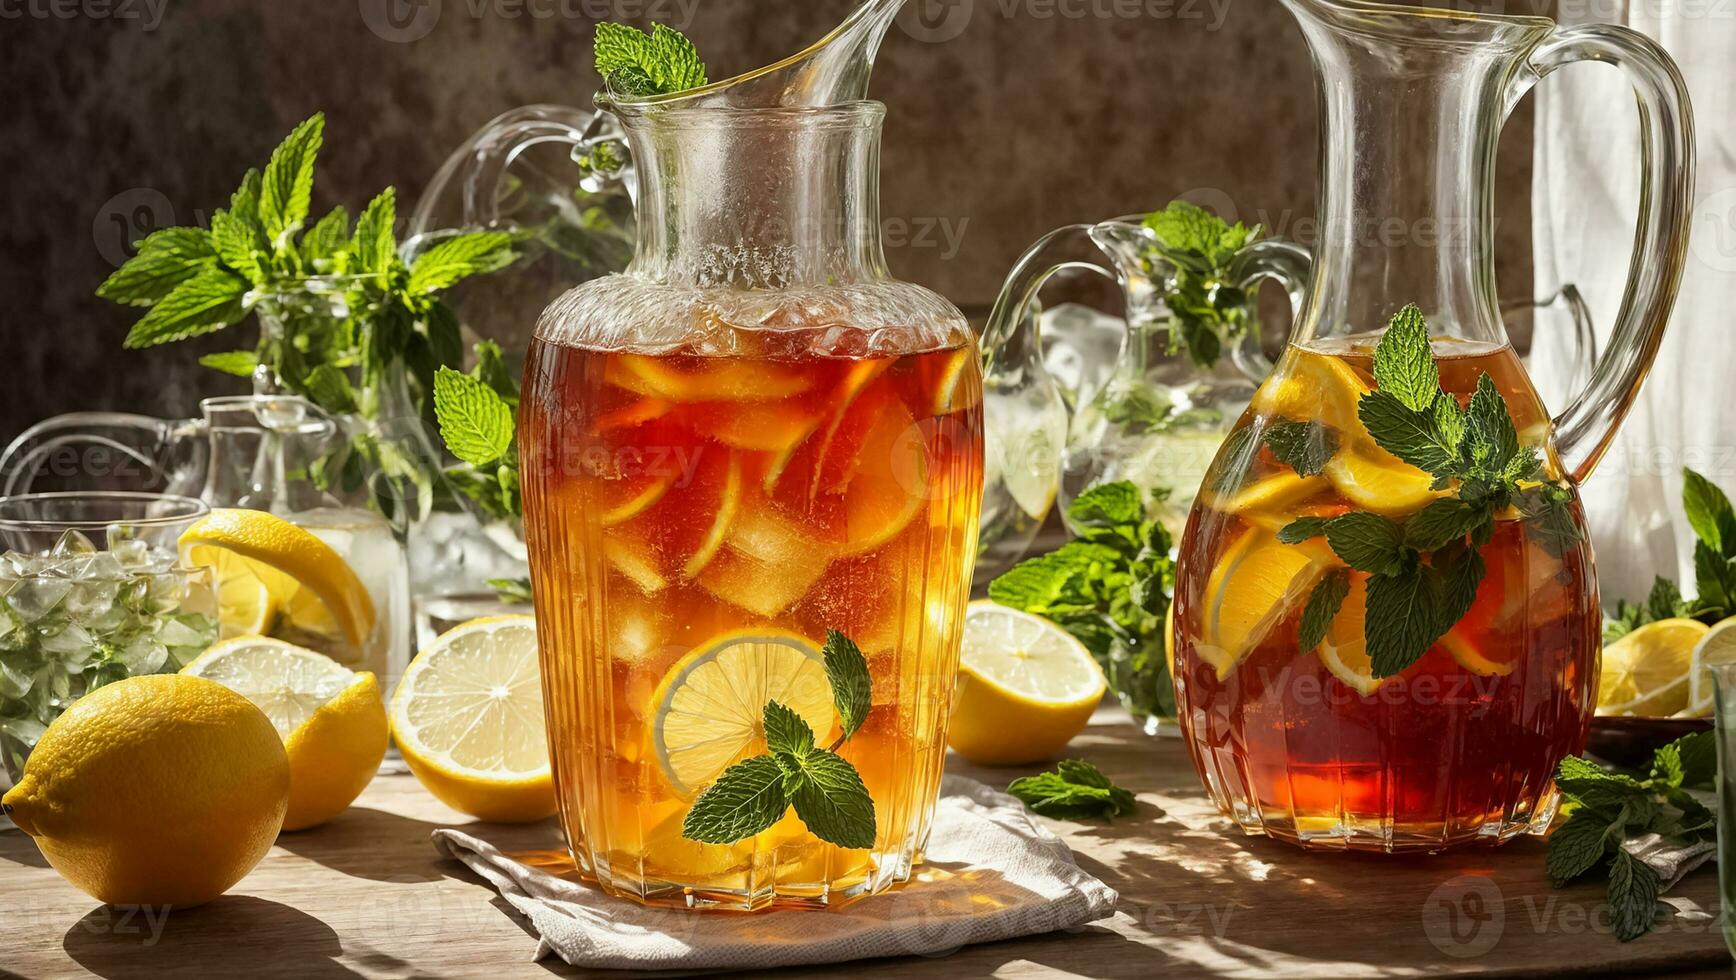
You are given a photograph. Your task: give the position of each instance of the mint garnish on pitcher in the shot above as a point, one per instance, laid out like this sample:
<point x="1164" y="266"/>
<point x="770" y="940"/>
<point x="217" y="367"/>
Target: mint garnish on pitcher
<point x="1424" y="570"/>
<point x="826" y="790"/>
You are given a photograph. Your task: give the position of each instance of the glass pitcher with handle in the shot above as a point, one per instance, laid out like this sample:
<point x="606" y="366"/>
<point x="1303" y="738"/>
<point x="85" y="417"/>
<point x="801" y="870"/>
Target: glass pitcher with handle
<point x="1386" y="622"/>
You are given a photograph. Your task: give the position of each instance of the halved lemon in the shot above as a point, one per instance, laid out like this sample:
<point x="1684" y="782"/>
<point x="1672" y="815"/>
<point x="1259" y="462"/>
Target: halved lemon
<point x="468" y="717"/>
<point x="1646" y="673"/>
<point x="1254" y="586"/>
<point x="725" y="380"/>
<point x="1376" y="480"/>
<point x="245" y="605"/>
<point x="1026" y="687"/>
<point x="332" y="720"/>
<point x="708" y="707"/>
<point x="1716" y="648"/>
<point x="285" y="560"/>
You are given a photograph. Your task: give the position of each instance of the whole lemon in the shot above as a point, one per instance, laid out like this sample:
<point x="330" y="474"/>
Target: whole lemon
<point x="157" y="790"/>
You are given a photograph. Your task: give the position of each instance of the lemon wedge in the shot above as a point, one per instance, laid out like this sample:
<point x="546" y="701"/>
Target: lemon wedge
<point x="1646" y="673"/>
<point x="1308" y="385"/>
<point x="1253" y="587"/>
<point x="332" y="720"/>
<point x="709" y="705"/>
<point x="1026" y="687"/>
<point x="468" y="717"/>
<point x="1716" y="648"/>
<point x="1344" y="650"/>
<point x="1376" y="480"/>
<point x="284" y="560"/>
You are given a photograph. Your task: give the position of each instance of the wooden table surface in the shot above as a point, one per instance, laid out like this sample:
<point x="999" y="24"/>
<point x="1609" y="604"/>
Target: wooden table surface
<point x="366" y="896"/>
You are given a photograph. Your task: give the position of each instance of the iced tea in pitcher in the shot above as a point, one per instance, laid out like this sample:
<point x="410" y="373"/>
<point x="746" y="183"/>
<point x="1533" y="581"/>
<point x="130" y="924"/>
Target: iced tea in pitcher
<point x="1372" y="654"/>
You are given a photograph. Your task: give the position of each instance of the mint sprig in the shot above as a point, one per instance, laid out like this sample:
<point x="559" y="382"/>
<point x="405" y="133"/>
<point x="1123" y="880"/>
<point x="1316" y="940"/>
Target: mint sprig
<point x="1208" y="310"/>
<point x="478" y="422"/>
<point x="826" y="790"/>
<point x="1109" y="588"/>
<point x="1608" y="809"/>
<point x="1713" y="520"/>
<point x="1075" y="790"/>
<point x="639" y="64"/>
<point x="1425" y="570"/>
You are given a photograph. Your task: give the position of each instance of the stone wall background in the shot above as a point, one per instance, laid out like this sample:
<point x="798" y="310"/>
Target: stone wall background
<point x="131" y="114"/>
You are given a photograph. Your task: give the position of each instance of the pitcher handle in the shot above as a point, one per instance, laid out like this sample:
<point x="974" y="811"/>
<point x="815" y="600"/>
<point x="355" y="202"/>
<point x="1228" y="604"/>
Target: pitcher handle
<point x="1011" y="337"/>
<point x="21" y="460"/>
<point x="1585" y="430"/>
<point x="1288" y="264"/>
<point x="481" y="166"/>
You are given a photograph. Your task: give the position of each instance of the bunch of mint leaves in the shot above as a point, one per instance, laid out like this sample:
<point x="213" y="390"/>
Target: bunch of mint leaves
<point x="1605" y="809"/>
<point x="826" y="790"/>
<point x="638" y="64"/>
<point x="478" y="417"/>
<point x="1110" y="589"/>
<point x="1075" y="790"/>
<point x="346" y="339"/>
<point x="1714" y="522"/>
<point x="1424" y="570"/>
<point x="1208" y="309"/>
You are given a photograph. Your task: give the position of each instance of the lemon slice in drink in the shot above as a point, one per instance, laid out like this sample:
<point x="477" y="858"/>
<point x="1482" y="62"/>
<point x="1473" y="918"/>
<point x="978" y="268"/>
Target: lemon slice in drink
<point x="332" y="720"/>
<point x="1716" y="648"/>
<point x="724" y="380"/>
<point x="1645" y="673"/>
<point x="1344" y="650"/>
<point x="1376" y="480"/>
<point x="468" y="717"/>
<point x="1254" y="587"/>
<point x="708" y="708"/>
<point x="286" y="560"/>
<point x="1026" y="687"/>
<point x="1313" y="386"/>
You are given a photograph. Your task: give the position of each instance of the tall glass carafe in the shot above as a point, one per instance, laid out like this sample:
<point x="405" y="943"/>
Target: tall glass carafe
<point x="1419" y="693"/>
<point x="751" y="438"/>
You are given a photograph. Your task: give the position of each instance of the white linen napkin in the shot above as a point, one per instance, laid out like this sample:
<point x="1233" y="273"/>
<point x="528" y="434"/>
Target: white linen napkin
<point x="991" y="873"/>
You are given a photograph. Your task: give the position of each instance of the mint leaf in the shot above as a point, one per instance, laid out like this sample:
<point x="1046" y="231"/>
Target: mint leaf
<point x="1691" y="760"/>
<point x="240" y="363"/>
<point x="633" y="62"/>
<point x="1594" y="787"/>
<point x="1460" y="571"/>
<point x="1367" y="542"/>
<point x="286" y="187"/>
<point x="1402" y="622"/>
<point x="1303" y="446"/>
<point x="747" y="799"/>
<point x="1577" y="846"/>
<point x="327" y="237"/>
<point x="330" y="389"/>
<point x="786" y="732"/>
<point x="1200" y="239"/>
<point x="1491" y="441"/>
<point x="1443" y="522"/>
<point x="1413" y="436"/>
<point x="1108" y="505"/>
<point x="207" y="302"/>
<point x="1234" y="457"/>
<point x="1715" y="577"/>
<point x="1665" y="600"/>
<point x="1323" y="605"/>
<point x="165" y="259"/>
<point x="1549" y="518"/>
<point x="240" y="248"/>
<point x="1633" y="896"/>
<point x="476" y="423"/>
<point x="1709" y="512"/>
<point x="852" y="687"/>
<point x="376" y="246"/>
<point x="1075" y="790"/>
<point x="458" y="258"/>
<point x="491" y="370"/>
<point x="1404" y="363"/>
<point x="831" y="799"/>
<point x="1304" y="529"/>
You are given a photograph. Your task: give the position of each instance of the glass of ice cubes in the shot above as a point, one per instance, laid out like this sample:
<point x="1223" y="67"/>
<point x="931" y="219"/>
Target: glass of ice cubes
<point x="92" y="591"/>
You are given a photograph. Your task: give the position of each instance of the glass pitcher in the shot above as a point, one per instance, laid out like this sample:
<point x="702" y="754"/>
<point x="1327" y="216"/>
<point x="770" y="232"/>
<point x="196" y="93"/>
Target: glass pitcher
<point x="753" y="437"/>
<point x="257" y="452"/>
<point x="1423" y="698"/>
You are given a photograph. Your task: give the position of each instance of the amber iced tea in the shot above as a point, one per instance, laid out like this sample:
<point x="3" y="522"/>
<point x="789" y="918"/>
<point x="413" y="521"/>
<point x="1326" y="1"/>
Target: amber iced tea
<point x="696" y="524"/>
<point x="1311" y="747"/>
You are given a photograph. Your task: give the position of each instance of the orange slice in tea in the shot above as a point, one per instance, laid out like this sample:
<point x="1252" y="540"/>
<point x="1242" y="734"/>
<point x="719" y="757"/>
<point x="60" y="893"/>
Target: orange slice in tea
<point x="725" y="380"/>
<point x="624" y="500"/>
<point x="1253" y="588"/>
<point x="1374" y="479"/>
<point x="709" y="706"/>
<point x="728" y="504"/>
<point x="858" y="377"/>
<point x="635" y="414"/>
<point x="949" y="395"/>
<point x="887" y="484"/>
<point x="1344" y="651"/>
<point x="1307" y="385"/>
<point x="1268" y="503"/>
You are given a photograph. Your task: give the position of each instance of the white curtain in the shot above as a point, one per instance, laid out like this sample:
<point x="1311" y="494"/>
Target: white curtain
<point x="1585" y="200"/>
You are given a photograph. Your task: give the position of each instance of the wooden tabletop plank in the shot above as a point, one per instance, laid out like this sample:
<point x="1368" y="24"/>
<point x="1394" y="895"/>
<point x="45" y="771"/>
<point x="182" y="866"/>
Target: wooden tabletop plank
<point x="366" y="896"/>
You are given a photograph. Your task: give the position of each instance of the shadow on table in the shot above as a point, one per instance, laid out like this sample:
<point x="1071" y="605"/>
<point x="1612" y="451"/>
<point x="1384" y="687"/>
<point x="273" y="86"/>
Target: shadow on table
<point x="233" y="936"/>
<point x="18" y="847"/>
<point x="366" y="843"/>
